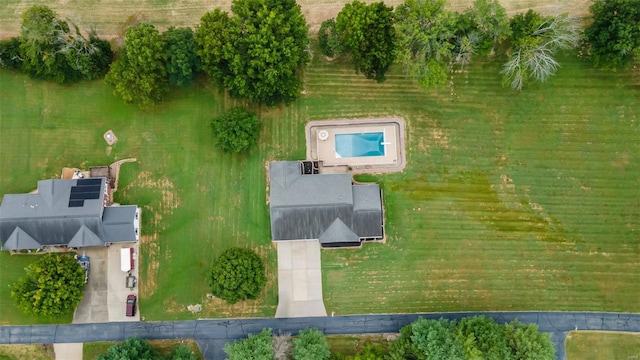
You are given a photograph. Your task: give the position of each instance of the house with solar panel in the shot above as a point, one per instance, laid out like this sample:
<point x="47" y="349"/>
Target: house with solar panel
<point x="305" y="204"/>
<point x="71" y="213"/>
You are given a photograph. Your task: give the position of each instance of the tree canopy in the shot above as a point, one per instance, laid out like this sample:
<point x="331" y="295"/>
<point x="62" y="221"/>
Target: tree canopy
<point x="52" y="286"/>
<point x="139" y="75"/>
<point x="53" y="49"/>
<point x="426" y="32"/>
<point x="367" y="33"/>
<point x="310" y="344"/>
<point x="614" y="34"/>
<point x="236" y="129"/>
<point x="255" y="347"/>
<point x="183" y="64"/>
<point x="130" y="349"/>
<point x="258" y="52"/>
<point x="534" y="42"/>
<point x="328" y="39"/>
<point x="237" y="274"/>
<point x="473" y="338"/>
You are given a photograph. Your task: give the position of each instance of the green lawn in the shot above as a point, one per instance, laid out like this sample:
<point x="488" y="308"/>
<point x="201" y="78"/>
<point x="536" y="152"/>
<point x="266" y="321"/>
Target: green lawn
<point x="91" y="351"/>
<point x="597" y="345"/>
<point x="509" y="201"/>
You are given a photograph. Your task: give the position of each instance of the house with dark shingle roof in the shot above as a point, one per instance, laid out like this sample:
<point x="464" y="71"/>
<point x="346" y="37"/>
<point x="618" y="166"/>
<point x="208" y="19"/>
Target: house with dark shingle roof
<point x="326" y="207"/>
<point x="67" y="213"/>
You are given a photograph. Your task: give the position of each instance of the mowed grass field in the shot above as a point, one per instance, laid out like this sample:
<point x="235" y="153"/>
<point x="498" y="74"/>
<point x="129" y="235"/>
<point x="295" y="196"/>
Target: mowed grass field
<point x="509" y="201"/>
<point x="599" y="345"/>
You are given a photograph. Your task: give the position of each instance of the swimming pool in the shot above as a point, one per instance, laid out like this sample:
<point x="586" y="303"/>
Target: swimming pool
<point x="359" y="145"/>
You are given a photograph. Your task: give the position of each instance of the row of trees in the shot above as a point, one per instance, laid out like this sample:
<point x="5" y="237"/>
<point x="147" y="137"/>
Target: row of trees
<point x="258" y="50"/>
<point x="472" y="338"/>
<point x="427" y="40"/>
<point x="139" y="349"/>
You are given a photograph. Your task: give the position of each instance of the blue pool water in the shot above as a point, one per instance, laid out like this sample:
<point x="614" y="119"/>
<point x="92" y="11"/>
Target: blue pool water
<point x="359" y="145"/>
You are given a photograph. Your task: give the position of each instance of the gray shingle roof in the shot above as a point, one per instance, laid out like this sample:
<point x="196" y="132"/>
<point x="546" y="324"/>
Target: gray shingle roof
<point x="30" y="221"/>
<point x="314" y="206"/>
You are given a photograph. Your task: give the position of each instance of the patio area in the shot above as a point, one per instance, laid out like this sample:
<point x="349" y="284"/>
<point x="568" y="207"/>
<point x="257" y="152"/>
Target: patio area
<point x="359" y="145"/>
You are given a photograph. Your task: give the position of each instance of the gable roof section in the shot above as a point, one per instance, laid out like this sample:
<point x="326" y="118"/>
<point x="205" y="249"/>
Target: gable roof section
<point x="314" y="206"/>
<point x="85" y="237"/>
<point x="20" y="240"/>
<point x="338" y="232"/>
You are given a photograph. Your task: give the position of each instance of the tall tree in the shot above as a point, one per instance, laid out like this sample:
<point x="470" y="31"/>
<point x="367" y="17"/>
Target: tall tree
<point x="52" y="286"/>
<point x="57" y="50"/>
<point x="535" y="41"/>
<point x="614" y="34"/>
<point x="436" y="339"/>
<point x="183" y="64"/>
<point x="490" y="21"/>
<point x="426" y="34"/>
<point x="42" y="33"/>
<point x="482" y="338"/>
<point x="255" y="347"/>
<point x="527" y="343"/>
<point x="366" y="32"/>
<point x="139" y="75"/>
<point x="310" y="344"/>
<point x="258" y="52"/>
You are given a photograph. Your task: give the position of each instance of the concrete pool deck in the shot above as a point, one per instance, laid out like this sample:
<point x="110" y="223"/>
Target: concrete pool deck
<point x="323" y="148"/>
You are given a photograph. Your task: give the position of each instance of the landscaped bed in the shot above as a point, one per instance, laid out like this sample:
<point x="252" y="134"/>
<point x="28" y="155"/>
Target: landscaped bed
<point x="508" y="201"/>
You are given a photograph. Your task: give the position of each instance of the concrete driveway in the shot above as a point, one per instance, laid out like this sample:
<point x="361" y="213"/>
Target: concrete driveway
<point x="299" y="279"/>
<point x="92" y="308"/>
<point x="117" y="291"/>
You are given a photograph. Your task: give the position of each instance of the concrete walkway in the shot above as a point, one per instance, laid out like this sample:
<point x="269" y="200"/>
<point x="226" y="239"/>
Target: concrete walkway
<point x="211" y="335"/>
<point x="68" y="351"/>
<point x="299" y="279"/>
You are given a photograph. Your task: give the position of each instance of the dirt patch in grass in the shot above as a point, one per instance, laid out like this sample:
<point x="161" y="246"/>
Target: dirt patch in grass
<point x="148" y="283"/>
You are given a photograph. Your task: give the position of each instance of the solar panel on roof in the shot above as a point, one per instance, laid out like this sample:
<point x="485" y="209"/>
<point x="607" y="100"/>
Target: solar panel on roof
<point x="91" y="181"/>
<point x="76" y="203"/>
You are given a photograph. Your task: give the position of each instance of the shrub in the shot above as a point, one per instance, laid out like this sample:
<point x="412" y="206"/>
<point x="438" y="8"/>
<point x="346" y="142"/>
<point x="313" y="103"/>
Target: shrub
<point x="236" y="130"/>
<point x="328" y="38"/>
<point x="238" y="274"/>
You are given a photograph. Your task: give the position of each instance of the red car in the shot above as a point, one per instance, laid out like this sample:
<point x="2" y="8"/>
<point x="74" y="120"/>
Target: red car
<point x="131" y="305"/>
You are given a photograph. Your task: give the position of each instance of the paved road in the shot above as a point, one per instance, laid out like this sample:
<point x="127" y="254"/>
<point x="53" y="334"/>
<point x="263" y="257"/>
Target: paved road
<point x="211" y="335"/>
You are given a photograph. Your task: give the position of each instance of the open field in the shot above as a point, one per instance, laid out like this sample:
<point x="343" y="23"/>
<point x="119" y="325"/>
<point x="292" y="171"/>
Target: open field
<point x="107" y="16"/>
<point x="598" y="345"/>
<point x="509" y="201"/>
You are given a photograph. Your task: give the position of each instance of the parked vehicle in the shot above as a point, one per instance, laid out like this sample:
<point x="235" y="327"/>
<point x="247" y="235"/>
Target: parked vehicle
<point x="131" y="305"/>
<point x="84" y="262"/>
<point x="131" y="281"/>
